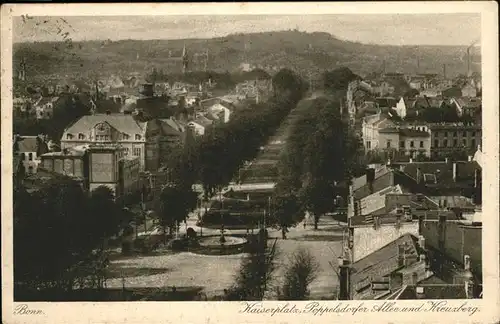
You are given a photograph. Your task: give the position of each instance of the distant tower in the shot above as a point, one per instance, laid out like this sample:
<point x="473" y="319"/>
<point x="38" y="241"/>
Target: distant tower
<point x="206" y="60"/>
<point x="22" y="70"/>
<point x="184" y="59"/>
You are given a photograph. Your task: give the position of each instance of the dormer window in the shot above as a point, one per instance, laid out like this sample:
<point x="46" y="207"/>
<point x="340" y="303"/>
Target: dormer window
<point x="137" y="137"/>
<point x="125" y="136"/>
<point x="69" y="136"/>
<point x="81" y="136"/>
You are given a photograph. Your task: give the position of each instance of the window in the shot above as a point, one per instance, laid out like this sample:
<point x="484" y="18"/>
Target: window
<point x="137" y="137"/>
<point x="69" y="136"/>
<point x="30" y="169"/>
<point x="473" y="134"/>
<point x="455" y="143"/>
<point x="125" y="136"/>
<point x="30" y="156"/>
<point x="81" y="136"/>
<point x="421" y="144"/>
<point x="137" y="151"/>
<point x="388" y="144"/>
<point x="473" y="142"/>
<point x="464" y="142"/>
<point x="412" y="144"/>
<point x="445" y="143"/>
<point x="23" y="156"/>
<point x="126" y="151"/>
<point x="454" y="134"/>
<point x="402" y="144"/>
<point x="368" y="145"/>
<point x="464" y="134"/>
<point x="445" y="134"/>
<point x="436" y="143"/>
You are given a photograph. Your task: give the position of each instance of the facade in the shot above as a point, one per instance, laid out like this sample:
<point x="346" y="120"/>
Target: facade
<point x="104" y="167"/>
<point x="469" y="90"/>
<point x="70" y="162"/>
<point x="220" y="109"/>
<point x="44" y="107"/>
<point x="29" y="149"/>
<point x="150" y="141"/>
<point x="449" y="137"/>
<point x="129" y="169"/>
<point x="382" y="134"/>
<point x="96" y="165"/>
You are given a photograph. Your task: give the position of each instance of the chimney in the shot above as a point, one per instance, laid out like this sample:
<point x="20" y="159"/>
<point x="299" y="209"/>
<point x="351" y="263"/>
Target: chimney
<point x="421" y="258"/>
<point x="442" y="233"/>
<point x="420" y="292"/>
<point x="370" y="178"/>
<point x="454" y="172"/>
<point x="477" y="178"/>
<point x="466" y="262"/>
<point x="421" y="242"/>
<point x="446" y="160"/>
<point x="401" y="255"/>
<point x="419" y="175"/>
<point x="414" y="278"/>
<point x="344" y="280"/>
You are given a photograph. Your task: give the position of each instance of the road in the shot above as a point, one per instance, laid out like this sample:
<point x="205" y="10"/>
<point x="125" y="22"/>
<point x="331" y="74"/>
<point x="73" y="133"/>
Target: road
<point x="269" y="155"/>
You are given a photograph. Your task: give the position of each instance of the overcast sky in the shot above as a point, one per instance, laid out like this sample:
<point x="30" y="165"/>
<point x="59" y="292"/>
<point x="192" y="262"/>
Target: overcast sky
<point x="422" y="29"/>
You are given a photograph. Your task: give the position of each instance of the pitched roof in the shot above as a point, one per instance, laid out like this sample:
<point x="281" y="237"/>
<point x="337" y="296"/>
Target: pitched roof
<point x="376" y="201"/>
<point x="381" y="263"/>
<point x="434" y="291"/>
<point x="27" y="144"/>
<point x="171" y="126"/>
<point x="122" y="122"/>
<point x="361" y="181"/>
<point x="469" y="102"/>
<point x="441" y="170"/>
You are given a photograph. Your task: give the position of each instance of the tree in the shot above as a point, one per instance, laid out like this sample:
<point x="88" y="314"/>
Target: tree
<point x="286" y="212"/>
<point x="339" y="78"/>
<point x="104" y="214"/>
<point x="302" y="271"/>
<point x="255" y="273"/>
<point x="175" y="204"/>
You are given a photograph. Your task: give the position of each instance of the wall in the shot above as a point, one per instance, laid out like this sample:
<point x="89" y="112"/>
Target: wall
<point x="102" y="168"/>
<point x="459" y="240"/>
<point x="367" y="239"/>
<point x="384" y="137"/>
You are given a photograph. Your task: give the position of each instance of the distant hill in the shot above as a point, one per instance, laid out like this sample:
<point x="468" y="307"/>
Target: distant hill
<point x="301" y="51"/>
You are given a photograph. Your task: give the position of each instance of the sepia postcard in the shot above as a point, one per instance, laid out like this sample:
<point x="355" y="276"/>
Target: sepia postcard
<point x="250" y="162"/>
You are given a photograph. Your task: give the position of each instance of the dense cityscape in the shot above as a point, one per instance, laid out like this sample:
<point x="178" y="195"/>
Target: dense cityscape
<point x="265" y="182"/>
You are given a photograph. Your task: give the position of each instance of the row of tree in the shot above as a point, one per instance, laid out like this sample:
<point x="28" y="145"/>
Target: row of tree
<point x="60" y="237"/>
<point x="215" y="158"/>
<point x="320" y="155"/>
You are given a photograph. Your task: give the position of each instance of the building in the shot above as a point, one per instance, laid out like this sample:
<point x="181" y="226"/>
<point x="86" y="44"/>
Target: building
<point x="469" y="90"/>
<point x="218" y="108"/>
<point x="444" y="178"/>
<point x="432" y="258"/>
<point x="96" y="165"/>
<point x="407" y="141"/>
<point x="470" y="107"/>
<point x="70" y="162"/>
<point x="44" y="107"/>
<point x="200" y="125"/>
<point x="150" y="140"/>
<point x="29" y="149"/>
<point x="449" y="137"/>
<point x="381" y="133"/>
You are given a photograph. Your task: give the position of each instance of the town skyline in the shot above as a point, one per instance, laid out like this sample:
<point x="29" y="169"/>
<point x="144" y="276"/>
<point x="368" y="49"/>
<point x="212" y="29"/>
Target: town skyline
<point x="402" y="29"/>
